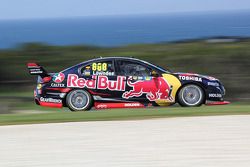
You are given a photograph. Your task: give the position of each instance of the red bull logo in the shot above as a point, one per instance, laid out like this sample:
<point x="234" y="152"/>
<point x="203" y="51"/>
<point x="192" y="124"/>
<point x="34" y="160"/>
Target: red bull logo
<point x="155" y="89"/>
<point x="100" y="82"/>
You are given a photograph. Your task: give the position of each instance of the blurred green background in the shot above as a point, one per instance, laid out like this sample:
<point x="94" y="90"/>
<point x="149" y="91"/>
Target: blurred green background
<point x="227" y="61"/>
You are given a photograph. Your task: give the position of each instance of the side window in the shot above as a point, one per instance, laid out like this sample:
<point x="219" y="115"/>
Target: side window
<point x="98" y="68"/>
<point x="129" y="68"/>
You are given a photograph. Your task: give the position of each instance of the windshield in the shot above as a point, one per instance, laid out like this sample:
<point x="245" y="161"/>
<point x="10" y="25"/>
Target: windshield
<point x="158" y="67"/>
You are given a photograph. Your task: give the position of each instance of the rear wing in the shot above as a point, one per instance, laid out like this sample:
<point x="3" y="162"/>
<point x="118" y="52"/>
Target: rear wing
<point x="36" y="69"/>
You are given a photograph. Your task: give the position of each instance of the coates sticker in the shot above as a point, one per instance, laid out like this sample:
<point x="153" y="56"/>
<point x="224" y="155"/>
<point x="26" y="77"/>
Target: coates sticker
<point x="100" y="82"/>
<point x="58" y="77"/>
<point x="155" y="89"/>
<point x="190" y="78"/>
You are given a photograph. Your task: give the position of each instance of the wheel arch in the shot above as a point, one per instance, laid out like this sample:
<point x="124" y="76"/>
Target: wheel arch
<point x="191" y="83"/>
<point x="65" y="97"/>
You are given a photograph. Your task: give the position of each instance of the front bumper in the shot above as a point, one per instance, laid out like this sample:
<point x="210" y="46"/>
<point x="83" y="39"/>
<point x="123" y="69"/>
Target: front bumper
<point x="215" y="93"/>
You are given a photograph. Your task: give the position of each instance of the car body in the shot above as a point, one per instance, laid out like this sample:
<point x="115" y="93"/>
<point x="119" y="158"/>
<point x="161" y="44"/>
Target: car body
<point x="122" y="82"/>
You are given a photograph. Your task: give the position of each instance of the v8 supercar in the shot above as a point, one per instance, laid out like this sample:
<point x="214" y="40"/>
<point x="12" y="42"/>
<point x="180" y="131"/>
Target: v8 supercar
<point x="120" y="82"/>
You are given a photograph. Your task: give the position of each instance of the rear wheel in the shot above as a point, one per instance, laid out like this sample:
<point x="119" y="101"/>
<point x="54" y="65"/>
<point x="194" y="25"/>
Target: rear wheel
<point x="79" y="100"/>
<point x="191" y="96"/>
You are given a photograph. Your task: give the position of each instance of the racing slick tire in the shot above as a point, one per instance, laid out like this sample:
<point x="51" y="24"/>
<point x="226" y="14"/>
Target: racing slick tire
<point x="191" y="96"/>
<point x="79" y="100"/>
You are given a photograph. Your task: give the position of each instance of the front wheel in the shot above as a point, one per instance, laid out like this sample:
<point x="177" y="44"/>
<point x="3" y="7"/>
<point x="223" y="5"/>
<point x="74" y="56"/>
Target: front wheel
<point x="191" y="96"/>
<point x="79" y="100"/>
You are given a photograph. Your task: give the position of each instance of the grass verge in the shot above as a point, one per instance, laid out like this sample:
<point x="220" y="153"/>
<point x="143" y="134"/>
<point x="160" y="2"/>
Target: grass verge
<point x="122" y="114"/>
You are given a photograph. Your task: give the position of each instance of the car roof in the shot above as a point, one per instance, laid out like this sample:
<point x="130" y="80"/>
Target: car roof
<point x="106" y="58"/>
<point x="112" y="58"/>
<point x="118" y="58"/>
<point x="102" y="58"/>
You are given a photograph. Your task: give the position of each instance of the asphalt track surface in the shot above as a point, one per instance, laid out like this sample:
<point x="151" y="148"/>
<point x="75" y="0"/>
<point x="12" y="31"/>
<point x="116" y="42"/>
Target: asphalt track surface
<point x="215" y="141"/>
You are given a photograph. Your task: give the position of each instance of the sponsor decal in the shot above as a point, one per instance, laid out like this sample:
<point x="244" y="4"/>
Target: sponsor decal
<point x="140" y="78"/>
<point x="58" y="85"/>
<point x="76" y="82"/>
<point x="102" y="82"/>
<point x="155" y="89"/>
<point x="100" y="66"/>
<point x="118" y="105"/>
<point x="117" y="85"/>
<point x="147" y="78"/>
<point x="86" y="72"/>
<point x="35" y="71"/>
<point x="132" y="105"/>
<point x="101" y="106"/>
<point x="215" y="95"/>
<point x="135" y="77"/>
<point x="50" y="100"/>
<point x="190" y="78"/>
<point x="58" y="77"/>
<point x="211" y="78"/>
<point x="102" y="69"/>
<point x="213" y="84"/>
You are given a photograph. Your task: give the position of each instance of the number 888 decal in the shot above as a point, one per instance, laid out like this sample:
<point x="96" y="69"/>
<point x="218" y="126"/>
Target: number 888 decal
<point x="102" y="69"/>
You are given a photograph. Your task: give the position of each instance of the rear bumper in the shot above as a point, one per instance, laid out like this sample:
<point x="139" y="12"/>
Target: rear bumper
<point x="47" y="101"/>
<point x="48" y="104"/>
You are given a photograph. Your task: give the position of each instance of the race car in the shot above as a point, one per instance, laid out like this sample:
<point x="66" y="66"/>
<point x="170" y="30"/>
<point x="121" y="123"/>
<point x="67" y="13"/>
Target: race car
<point x="122" y="82"/>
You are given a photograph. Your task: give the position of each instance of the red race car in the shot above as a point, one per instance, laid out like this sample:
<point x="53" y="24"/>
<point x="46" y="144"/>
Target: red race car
<point x="120" y="82"/>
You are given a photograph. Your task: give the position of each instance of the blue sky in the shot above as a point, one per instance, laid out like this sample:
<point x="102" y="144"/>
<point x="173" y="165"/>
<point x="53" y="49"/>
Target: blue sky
<point x="30" y="9"/>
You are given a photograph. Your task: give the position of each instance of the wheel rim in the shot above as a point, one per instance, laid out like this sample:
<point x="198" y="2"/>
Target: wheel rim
<point x="192" y="95"/>
<point x="79" y="100"/>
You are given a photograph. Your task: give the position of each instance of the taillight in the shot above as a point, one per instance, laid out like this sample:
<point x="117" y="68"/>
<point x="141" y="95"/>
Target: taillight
<point x="39" y="86"/>
<point x="46" y="79"/>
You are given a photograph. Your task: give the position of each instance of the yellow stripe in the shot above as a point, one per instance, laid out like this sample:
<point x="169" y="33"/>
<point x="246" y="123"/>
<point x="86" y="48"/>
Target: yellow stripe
<point x="174" y="81"/>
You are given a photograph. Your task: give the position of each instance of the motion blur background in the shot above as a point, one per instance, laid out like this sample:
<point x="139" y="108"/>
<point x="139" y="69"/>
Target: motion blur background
<point x="209" y="38"/>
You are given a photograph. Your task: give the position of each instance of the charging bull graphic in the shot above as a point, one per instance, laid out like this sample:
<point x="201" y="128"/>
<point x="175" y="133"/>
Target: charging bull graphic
<point x="155" y="89"/>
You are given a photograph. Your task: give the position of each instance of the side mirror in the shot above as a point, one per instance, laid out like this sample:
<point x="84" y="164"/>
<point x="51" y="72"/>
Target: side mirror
<point x="154" y="74"/>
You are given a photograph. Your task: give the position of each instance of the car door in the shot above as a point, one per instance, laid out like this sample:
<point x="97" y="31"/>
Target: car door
<point x="143" y="83"/>
<point x="108" y="85"/>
